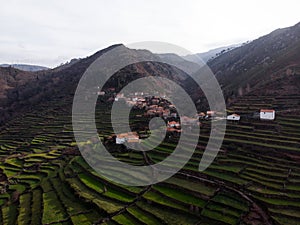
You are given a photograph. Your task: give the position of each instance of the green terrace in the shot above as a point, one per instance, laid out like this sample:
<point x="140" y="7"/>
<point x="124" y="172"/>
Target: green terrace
<point x="258" y="165"/>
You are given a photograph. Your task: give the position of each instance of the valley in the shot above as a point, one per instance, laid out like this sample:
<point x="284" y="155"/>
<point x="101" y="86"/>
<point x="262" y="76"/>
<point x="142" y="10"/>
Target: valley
<point x="255" y="178"/>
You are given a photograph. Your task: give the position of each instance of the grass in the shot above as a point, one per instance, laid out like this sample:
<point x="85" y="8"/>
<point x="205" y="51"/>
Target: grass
<point x="191" y="185"/>
<point x="81" y="219"/>
<point x="104" y="189"/>
<point x="168" y="215"/>
<point x="180" y="195"/>
<point x="279" y="202"/>
<point x="223" y="209"/>
<point x="66" y="188"/>
<point x="286" y="212"/>
<point x="226" y="177"/>
<point x="219" y="216"/>
<point x="10" y="214"/>
<point x="53" y="211"/>
<point x="91" y="183"/>
<point x="18" y="187"/>
<point x="285" y="220"/>
<point x="25" y="209"/>
<point x="36" y="206"/>
<point x="238" y="203"/>
<point x="124" y="218"/>
<point x="105" y="204"/>
<point x="143" y="216"/>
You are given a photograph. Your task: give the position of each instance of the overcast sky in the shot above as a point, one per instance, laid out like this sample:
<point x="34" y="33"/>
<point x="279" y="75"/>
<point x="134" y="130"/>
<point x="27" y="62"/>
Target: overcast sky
<point x="51" y="32"/>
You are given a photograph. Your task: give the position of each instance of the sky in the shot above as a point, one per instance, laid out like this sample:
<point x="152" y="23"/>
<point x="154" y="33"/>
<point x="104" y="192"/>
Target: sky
<point x="49" y="33"/>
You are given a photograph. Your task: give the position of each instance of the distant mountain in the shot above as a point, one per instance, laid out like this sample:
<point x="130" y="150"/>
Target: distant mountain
<point x="25" y="67"/>
<point x="209" y="55"/>
<point x="180" y="62"/>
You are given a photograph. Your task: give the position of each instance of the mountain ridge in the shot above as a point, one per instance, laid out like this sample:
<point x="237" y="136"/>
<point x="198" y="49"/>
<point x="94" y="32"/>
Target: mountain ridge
<point x="242" y="70"/>
<point x="26" y="67"/>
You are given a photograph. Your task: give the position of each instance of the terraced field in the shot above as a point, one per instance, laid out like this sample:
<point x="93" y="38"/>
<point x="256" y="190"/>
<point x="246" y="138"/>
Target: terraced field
<point x="254" y="180"/>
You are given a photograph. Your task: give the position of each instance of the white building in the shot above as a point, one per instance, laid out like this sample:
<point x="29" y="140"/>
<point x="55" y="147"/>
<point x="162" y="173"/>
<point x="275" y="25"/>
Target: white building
<point x="130" y="137"/>
<point x="120" y="139"/>
<point x="172" y="124"/>
<point x="188" y="121"/>
<point x="211" y="113"/>
<point x="267" y="114"/>
<point x="101" y="93"/>
<point x="234" y="117"/>
<point x="119" y="96"/>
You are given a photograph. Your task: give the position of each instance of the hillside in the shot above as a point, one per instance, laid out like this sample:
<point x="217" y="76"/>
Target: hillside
<point x="254" y="179"/>
<point x="211" y="54"/>
<point x="269" y="60"/>
<point x="11" y="78"/>
<point x="61" y="82"/>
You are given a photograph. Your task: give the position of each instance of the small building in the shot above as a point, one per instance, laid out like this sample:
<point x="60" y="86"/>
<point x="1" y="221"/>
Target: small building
<point x="172" y="129"/>
<point x="119" y="96"/>
<point x="210" y="113"/>
<point x="267" y="114"/>
<point x="173" y="124"/>
<point x="189" y="121"/>
<point x="130" y="137"/>
<point x="101" y="93"/>
<point x="131" y="103"/>
<point x="121" y="139"/>
<point x="234" y="117"/>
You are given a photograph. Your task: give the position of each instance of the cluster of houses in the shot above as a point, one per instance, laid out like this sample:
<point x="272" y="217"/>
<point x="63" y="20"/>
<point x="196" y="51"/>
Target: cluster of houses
<point x="174" y="125"/>
<point x="157" y="106"/>
<point x="154" y="106"/>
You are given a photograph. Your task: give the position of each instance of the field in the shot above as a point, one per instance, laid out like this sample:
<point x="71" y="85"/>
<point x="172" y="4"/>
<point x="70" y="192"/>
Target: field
<point x="255" y="178"/>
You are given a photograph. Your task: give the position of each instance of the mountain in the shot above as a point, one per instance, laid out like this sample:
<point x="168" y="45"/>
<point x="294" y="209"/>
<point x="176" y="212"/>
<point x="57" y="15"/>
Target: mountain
<point x="209" y="55"/>
<point x="180" y="62"/>
<point x="254" y="179"/>
<point x="60" y="83"/>
<point x="268" y="65"/>
<point x="25" y="67"/>
<point x="11" y="78"/>
<point x="271" y="61"/>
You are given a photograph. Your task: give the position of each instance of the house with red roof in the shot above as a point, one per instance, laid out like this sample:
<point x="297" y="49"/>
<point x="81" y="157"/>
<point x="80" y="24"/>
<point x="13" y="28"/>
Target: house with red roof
<point x="267" y="114"/>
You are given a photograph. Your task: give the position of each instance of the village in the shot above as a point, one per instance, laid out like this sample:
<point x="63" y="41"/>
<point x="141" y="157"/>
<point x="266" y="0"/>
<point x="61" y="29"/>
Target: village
<point x="155" y="106"/>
